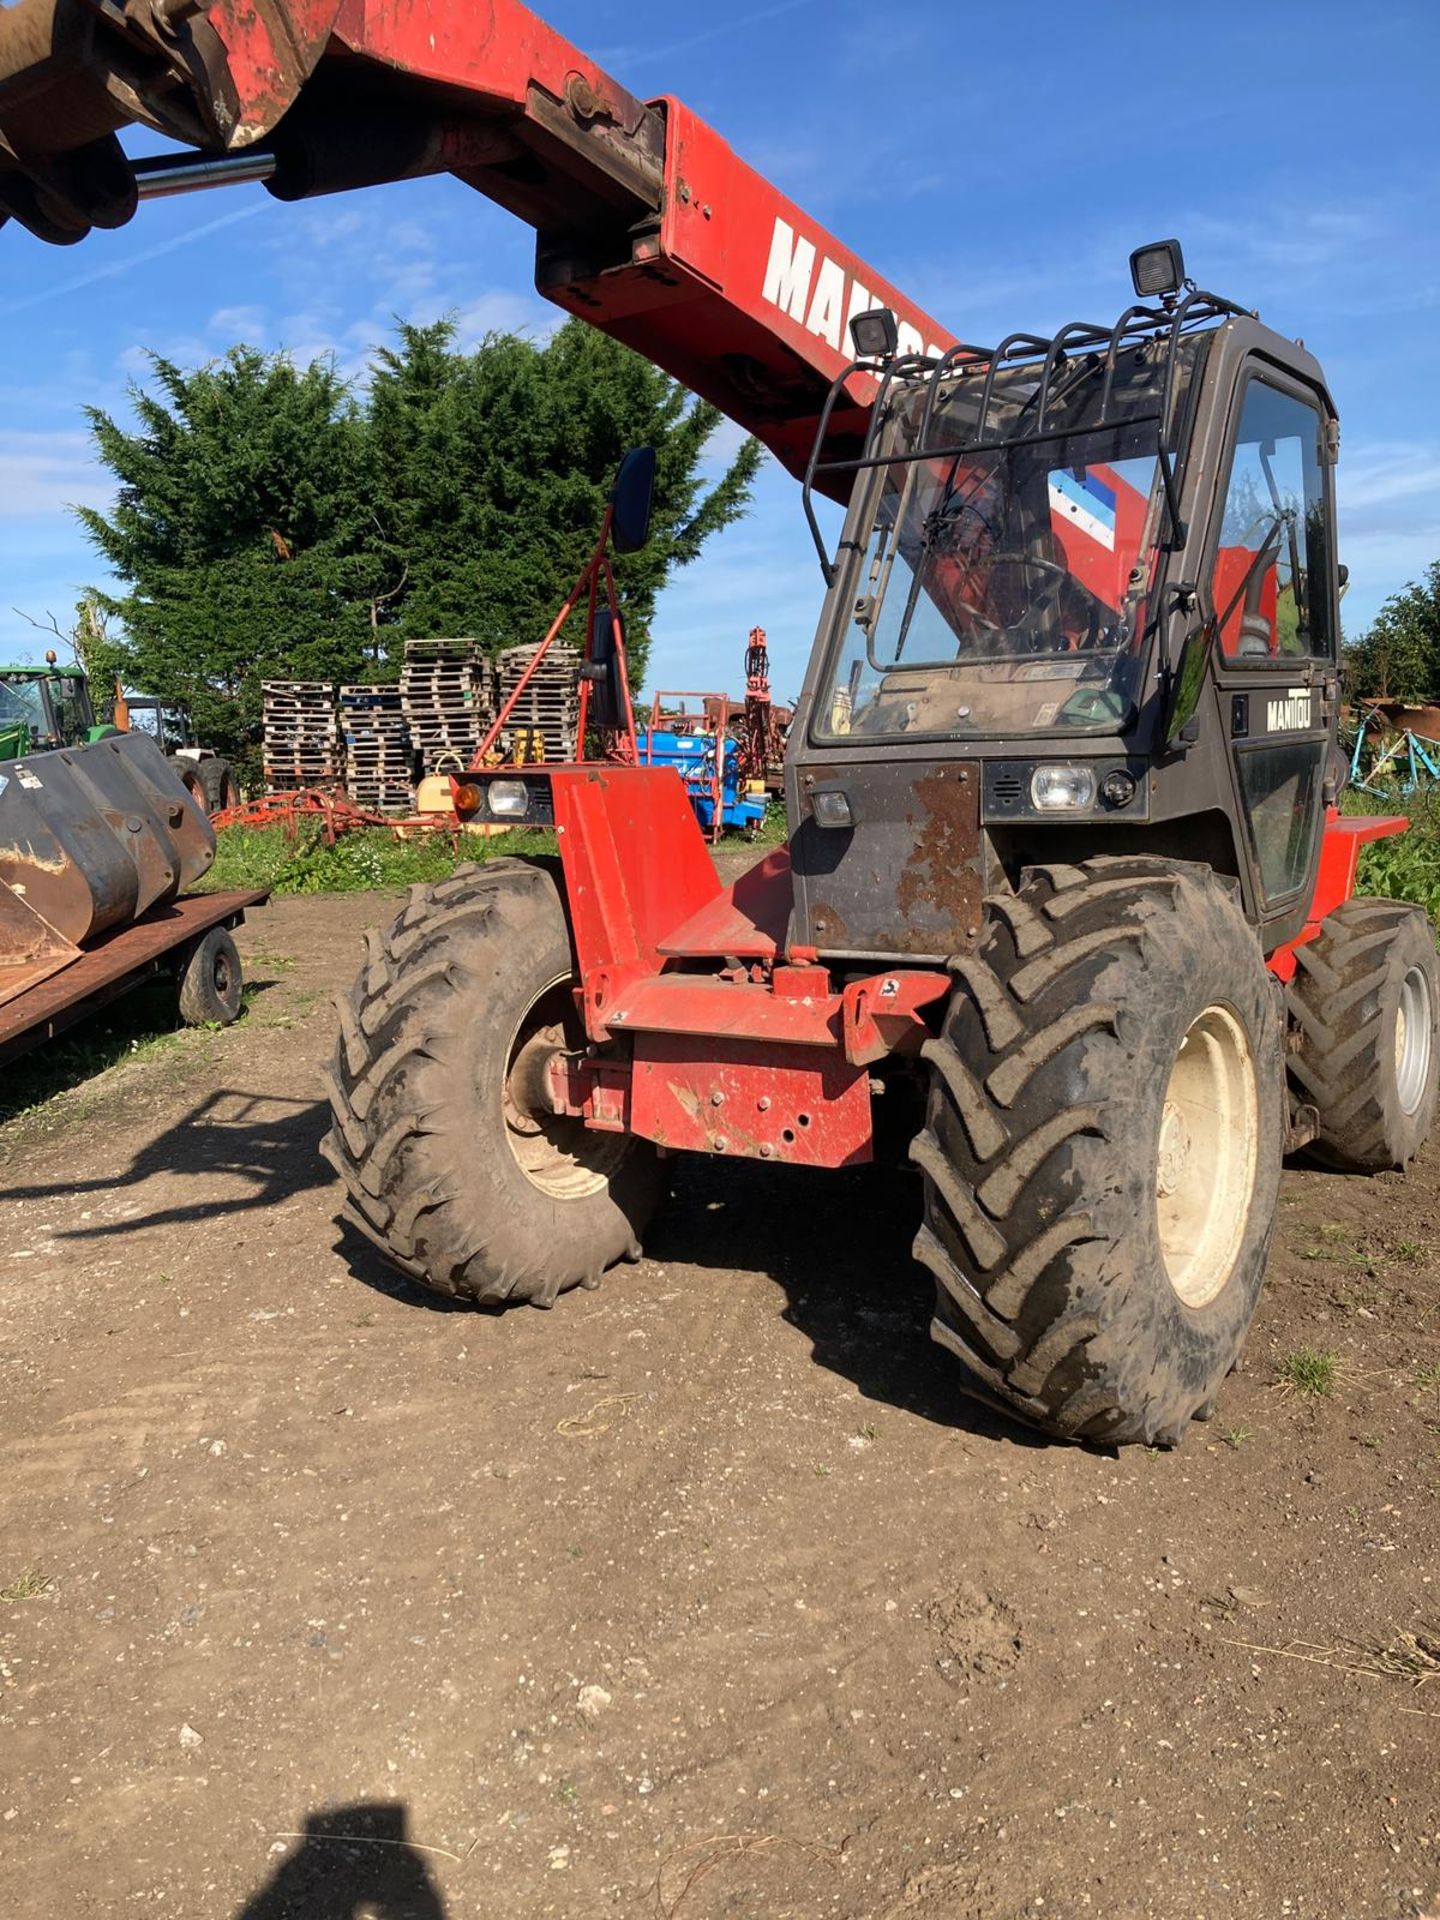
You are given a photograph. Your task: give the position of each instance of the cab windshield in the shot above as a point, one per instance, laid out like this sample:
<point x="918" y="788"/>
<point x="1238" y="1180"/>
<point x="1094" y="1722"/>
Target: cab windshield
<point x="20" y="703"/>
<point x="1008" y="571"/>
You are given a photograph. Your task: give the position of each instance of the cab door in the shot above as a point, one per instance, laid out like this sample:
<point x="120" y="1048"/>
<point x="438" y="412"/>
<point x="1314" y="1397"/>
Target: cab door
<point x="1272" y="584"/>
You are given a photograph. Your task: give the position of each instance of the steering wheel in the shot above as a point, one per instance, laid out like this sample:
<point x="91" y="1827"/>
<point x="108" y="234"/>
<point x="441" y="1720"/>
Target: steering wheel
<point x="1040" y="564"/>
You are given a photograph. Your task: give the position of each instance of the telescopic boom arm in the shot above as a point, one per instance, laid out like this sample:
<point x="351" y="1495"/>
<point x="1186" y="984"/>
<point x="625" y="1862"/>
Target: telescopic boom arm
<point x="648" y="225"/>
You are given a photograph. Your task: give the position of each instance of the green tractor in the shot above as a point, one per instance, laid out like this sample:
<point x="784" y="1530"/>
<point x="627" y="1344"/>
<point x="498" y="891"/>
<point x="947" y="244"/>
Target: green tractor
<point x="43" y="708"/>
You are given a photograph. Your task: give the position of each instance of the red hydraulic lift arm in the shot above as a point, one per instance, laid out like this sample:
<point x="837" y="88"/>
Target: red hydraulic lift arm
<point x="648" y="225"/>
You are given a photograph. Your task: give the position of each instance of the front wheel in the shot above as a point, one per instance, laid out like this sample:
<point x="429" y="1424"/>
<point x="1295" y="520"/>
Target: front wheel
<point x="454" y="1163"/>
<point x="1102" y="1149"/>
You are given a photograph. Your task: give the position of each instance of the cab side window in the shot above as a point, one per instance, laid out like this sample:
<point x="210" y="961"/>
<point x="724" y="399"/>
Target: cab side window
<point x="1270" y="583"/>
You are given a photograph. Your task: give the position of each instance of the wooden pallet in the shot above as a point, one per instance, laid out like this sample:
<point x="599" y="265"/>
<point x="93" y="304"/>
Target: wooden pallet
<point x="448" y="690"/>
<point x="378" y="754"/>
<point x="551" y="702"/>
<point x="300" y="737"/>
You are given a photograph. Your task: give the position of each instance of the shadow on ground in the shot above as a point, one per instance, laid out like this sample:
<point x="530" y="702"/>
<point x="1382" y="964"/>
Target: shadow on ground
<point x="257" y="1149"/>
<point x="838" y="1246"/>
<point x="350" y="1862"/>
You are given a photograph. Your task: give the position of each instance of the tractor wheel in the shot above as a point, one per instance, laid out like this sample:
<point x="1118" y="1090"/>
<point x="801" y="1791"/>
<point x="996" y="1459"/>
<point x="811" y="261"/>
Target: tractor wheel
<point x="1365" y="999"/>
<point x="212" y="985"/>
<point x="189" y="776"/>
<point x="1102" y="1149"/>
<point x="219" y="788"/>
<point x="456" y="1167"/>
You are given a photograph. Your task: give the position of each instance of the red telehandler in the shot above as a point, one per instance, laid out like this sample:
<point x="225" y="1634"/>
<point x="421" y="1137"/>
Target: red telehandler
<point x="1066" y="864"/>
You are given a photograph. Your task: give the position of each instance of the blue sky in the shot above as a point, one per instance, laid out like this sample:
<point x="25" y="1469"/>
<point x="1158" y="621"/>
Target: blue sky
<point x="1000" y="173"/>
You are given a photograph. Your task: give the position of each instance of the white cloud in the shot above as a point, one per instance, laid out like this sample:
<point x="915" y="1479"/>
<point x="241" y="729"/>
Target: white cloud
<point x="237" y="323"/>
<point x="127" y="263"/>
<point x="1382" y="472"/>
<point x="44" y="473"/>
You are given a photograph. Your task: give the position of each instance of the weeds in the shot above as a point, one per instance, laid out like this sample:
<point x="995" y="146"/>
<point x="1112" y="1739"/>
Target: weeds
<point x="1427" y="1378"/>
<point x="1309" y="1372"/>
<point x="142" y="1026"/>
<point x="29" y="1586"/>
<point x="358" y="862"/>
<point x="1236" y="1437"/>
<point x="1406" y="866"/>
<point x="1409" y="1252"/>
<point x="1411" y="1657"/>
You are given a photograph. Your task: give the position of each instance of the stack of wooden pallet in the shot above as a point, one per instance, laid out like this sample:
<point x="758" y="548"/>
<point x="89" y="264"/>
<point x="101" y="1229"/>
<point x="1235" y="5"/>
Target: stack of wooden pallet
<point x="549" y="706"/>
<point x="447" y="689"/>
<point x="301" y="744"/>
<point x="377" y="748"/>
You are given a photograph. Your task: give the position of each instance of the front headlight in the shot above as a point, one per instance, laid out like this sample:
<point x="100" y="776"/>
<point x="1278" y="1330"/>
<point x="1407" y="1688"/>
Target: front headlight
<point x="1062" y="789"/>
<point x="509" y="799"/>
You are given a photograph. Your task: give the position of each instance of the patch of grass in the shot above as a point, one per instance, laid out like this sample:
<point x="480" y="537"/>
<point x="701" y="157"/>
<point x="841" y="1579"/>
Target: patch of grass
<point x="359" y="862"/>
<point x="1409" y="1252"/>
<point x="774" y="829"/>
<point x="142" y="1026"/>
<point x="1406" y="866"/>
<point x="1428" y="1377"/>
<point x="1236" y="1437"/>
<point x="1310" y="1372"/>
<point x="30" y="1585"/>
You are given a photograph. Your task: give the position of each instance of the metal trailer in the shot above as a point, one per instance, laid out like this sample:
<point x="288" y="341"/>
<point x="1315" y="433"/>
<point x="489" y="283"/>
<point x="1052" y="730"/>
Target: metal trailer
<point x="188" y="942"/>
<point x="100" y="848"/>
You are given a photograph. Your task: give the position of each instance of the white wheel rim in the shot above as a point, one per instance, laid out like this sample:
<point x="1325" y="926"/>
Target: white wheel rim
<point x="556" y="1152"/>
<point x="1412" y="1040"/>
<point x="1207" y="1156"/>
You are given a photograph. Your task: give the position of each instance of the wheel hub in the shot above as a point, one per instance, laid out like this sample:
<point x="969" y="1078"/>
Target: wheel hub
<point x="1412" y="1040"/>
<point x="1207" y="1156"/>
<point x="1174" y="1150"/>
<point x="556" y="1152"/>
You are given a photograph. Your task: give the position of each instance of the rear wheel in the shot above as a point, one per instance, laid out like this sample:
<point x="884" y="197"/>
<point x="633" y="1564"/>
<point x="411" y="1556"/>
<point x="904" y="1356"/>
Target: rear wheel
<point x="1102" y="1149"/>
<point x="454" y="1162"/>
<point x="218" y="786"/>
<point x="1365" y="1001"/>
<point x="212" y="984"/>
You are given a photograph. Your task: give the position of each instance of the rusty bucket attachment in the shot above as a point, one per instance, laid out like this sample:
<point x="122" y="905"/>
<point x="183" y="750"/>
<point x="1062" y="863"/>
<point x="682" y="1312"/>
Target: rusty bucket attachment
<point x="91" y="838"/>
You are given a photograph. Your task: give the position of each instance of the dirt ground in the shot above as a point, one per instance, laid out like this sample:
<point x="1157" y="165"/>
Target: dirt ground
<point x="701" y="1596"/>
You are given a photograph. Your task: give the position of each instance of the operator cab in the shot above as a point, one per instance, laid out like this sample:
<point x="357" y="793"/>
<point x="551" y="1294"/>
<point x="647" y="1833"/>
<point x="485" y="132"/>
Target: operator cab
<point x="53" y="705"/>
<point x="1059" y="555"/>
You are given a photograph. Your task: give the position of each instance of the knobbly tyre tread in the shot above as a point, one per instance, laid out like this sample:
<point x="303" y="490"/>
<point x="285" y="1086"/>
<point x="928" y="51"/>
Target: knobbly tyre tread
<point x="418" y="1136"/>
<point x="218" y="785"/>
<point x="1342" y="1004"/>
<point x="1040" y="1223"/>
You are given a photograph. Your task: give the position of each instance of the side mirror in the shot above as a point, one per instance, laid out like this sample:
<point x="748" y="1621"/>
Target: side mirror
<point x="631" y="499"/>
<point x="1182" y="699"/>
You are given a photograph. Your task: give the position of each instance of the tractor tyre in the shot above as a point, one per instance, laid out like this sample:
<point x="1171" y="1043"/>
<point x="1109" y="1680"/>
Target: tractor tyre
<point x="1102" y="1151"/>
<point x="455" y="1166"/>
<point x="188" y="773"/>
<point x="219" y="788"/>
<point x="213" y="982"/>
<point x="1365" y="1002"/>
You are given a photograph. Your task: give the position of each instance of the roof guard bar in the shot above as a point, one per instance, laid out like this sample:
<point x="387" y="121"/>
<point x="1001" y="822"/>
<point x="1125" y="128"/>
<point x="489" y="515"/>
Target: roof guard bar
<point x="1013" y="344"/>
<point x="974" y="356"/>
<point x="1079" y="333"/>
<point x="1139" y="320"/>
<point x="1136" y="324"/>
<point x="886" y="376"/>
